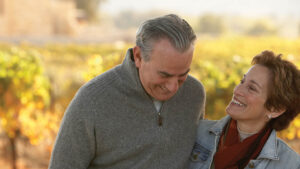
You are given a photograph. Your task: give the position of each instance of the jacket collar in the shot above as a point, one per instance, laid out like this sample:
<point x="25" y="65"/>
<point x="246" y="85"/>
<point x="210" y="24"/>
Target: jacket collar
<point x="218" y="127"/>
<point x="269" y="150"/>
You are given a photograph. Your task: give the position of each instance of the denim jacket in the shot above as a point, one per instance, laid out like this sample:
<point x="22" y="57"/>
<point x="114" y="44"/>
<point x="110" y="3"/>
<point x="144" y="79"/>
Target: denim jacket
<point x="275" y="154"/>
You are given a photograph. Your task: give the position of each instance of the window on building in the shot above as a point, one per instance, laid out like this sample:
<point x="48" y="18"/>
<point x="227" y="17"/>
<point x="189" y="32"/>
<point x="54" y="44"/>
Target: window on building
<point x="1" y="7"/>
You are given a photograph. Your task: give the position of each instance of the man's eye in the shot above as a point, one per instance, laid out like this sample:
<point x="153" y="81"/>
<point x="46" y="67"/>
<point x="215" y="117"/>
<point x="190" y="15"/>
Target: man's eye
<point x="164" y="75"/>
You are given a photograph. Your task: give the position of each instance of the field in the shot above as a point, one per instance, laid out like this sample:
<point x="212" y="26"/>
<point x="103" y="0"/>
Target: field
<point x="37" y="83"/>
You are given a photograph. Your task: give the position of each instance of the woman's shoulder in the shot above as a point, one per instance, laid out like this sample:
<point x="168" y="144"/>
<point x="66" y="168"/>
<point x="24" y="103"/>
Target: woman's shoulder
<point x="213" y="124"/>
<point x="286" y="152"/>
<point x="285" y="157"/>
<point x="206" y="136"/>
<point x="211" y="128"/>
<point x="206" y="123"/>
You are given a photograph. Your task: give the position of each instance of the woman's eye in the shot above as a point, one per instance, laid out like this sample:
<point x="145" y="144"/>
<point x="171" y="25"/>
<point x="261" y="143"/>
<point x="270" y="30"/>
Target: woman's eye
<point x="252" y="88"/>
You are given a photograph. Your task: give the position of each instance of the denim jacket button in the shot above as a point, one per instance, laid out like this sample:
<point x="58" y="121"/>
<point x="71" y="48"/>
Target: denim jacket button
<point x="251" y="165"/>
<point x="195" y="156"/>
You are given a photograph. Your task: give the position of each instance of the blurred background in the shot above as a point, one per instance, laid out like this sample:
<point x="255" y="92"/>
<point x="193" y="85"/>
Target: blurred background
<point x="49" y="48"/>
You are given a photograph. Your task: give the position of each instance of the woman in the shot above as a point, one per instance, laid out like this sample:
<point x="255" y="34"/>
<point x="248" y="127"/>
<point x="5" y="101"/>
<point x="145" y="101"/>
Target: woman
<point x="266" y="100"/>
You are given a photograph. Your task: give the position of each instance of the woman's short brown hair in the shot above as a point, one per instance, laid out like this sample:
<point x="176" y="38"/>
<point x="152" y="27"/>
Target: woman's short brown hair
<point x="284" y="88"/>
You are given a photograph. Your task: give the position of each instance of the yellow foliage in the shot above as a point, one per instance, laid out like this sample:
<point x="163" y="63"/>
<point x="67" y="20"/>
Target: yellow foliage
<point x="290" y="136"/>
<point x="297" y="122"/>
<point x="28" y="106"/>
<point x="25" y="92"/>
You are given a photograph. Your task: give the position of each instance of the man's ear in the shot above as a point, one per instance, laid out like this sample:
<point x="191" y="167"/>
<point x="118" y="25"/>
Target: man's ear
<point x="276" y="113"/>
<point x="137" y="56"/>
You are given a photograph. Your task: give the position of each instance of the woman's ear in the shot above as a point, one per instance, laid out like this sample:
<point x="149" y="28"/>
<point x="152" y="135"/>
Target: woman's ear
<point x="276" y="113"/>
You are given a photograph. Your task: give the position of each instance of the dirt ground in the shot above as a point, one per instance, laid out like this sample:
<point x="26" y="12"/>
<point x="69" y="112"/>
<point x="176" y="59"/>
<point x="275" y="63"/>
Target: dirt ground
<point x="37" y="157"/>
<point x="29" y="156"/>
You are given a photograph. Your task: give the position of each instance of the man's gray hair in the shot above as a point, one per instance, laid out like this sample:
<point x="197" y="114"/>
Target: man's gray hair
<point x="175" y="29"/>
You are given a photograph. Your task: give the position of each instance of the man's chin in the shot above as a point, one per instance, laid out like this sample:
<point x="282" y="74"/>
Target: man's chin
<point x="164" y="97"/>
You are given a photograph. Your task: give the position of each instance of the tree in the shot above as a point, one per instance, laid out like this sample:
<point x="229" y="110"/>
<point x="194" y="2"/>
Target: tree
<point x="90" y="8"/>
<point x="130" y="19"/>
<point x="211" y="24"/>
<point x="24" y="97"/>
<point x="261" y="27"/>
<point x="299" y="29"/>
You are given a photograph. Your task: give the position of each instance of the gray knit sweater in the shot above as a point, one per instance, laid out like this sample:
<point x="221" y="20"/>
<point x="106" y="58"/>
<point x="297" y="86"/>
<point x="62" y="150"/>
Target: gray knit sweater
<point x="112" y="124"/>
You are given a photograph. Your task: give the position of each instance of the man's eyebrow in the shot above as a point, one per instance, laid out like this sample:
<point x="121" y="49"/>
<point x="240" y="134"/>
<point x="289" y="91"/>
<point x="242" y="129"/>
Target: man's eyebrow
<point x="165" y="74"/>
<point x="185" y="73"/>
<point x="170" y="75"/>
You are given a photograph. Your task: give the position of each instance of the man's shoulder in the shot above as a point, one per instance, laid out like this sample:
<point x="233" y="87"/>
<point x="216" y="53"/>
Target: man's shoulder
<point x="193" y="83"/>
<point x="191" y="79"/>
<point x="101" y="83"/>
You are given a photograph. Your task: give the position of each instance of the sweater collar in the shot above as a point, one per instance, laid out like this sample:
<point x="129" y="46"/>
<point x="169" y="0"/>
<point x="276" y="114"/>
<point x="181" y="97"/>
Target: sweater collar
<point x="130" y="73"/>
<point x="129" y="70"/>
<point x="128" y="67"/>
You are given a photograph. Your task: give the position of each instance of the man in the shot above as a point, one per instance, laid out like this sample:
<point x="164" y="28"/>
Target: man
<point x="142" y="114"/>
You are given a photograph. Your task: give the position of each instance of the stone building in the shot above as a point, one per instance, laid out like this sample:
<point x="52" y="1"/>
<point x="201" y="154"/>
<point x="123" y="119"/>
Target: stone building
<point x="37" y="18"/>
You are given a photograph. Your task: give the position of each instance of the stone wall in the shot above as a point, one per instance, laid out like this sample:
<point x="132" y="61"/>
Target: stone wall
<point x="37" y="18"/>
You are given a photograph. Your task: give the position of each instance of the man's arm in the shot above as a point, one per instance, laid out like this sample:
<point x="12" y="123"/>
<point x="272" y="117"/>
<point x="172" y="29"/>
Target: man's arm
<point x="75" y="143"/>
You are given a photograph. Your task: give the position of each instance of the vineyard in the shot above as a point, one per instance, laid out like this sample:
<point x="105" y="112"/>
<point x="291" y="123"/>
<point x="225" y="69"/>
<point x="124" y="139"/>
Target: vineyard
<point x="37" y="82"/>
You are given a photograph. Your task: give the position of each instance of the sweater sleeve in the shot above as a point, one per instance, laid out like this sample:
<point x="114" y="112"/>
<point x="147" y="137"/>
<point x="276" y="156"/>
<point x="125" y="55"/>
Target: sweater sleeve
<point x="199" y="94"/>
<point x="202" y="110"/>
<point x="75" y="143"/>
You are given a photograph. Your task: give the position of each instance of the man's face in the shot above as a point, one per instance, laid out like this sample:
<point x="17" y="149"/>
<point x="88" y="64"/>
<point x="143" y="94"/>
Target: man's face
<point x="165" y="71"/>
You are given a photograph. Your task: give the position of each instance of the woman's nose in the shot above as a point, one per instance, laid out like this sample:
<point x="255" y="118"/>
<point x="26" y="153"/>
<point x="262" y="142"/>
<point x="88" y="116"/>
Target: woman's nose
<point x="238" y="90"/>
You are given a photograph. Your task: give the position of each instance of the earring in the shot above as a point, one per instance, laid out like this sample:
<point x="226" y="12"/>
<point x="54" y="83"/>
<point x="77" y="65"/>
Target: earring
<point x="269" y="116"/>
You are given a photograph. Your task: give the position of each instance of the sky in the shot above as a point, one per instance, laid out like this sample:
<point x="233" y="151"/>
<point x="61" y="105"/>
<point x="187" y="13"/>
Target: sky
<point x="198" y="7"/>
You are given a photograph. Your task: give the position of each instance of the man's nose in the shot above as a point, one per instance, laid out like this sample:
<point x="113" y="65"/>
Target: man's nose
<point x="172" y="85"/>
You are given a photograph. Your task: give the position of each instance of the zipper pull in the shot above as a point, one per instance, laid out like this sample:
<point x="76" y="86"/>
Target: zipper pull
<point x="160" y="120"/>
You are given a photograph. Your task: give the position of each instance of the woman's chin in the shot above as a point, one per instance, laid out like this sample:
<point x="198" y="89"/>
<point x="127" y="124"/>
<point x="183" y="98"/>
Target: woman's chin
<point x="232" y="114"/>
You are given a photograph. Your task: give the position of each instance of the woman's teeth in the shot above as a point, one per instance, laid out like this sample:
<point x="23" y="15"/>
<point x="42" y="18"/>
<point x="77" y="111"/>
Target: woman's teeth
<point x="237" y="102"/>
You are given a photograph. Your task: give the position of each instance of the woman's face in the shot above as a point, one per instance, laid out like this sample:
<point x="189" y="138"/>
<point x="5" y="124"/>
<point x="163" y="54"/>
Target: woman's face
<point x="249" y="97"/>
